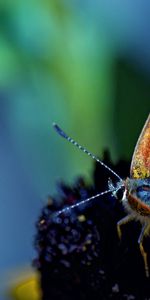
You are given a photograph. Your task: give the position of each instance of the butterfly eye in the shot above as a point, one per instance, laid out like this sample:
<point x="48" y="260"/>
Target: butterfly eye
<point x="146" y="188"/>
<point x="143" y="188"/>
<point x="143" y="193"/>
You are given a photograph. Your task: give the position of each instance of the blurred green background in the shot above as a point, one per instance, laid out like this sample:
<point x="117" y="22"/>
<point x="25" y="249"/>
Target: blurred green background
<point x="82" y="64"/>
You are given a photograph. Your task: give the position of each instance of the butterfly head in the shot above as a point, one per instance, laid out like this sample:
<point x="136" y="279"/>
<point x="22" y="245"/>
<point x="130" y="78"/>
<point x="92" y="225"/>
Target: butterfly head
<point x="139" y="188"/>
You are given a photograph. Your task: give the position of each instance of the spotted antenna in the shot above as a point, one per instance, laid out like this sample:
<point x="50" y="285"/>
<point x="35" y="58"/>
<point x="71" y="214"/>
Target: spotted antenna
<point x="69" y="139"/>
<point x="68" y="208"/>
<point x="112" y="188"/>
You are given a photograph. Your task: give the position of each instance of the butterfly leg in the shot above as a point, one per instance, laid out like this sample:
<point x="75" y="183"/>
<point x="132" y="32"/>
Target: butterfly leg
<point x="123" y="221"/>
<point x="143" y="233"/>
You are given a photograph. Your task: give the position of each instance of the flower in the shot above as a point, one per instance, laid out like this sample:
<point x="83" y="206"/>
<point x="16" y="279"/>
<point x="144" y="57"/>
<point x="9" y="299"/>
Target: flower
<point x="79" y="253"/>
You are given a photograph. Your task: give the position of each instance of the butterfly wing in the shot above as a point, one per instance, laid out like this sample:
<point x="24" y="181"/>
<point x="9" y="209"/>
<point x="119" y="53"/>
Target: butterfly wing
<point x="140" y="165"/>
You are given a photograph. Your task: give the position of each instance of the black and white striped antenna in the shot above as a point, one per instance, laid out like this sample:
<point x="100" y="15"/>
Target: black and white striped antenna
<point x="112" y="188"/>
<point x="69" y="139"/>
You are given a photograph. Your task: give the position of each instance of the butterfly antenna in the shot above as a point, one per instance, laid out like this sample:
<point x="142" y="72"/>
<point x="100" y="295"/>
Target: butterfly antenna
<point x="68" y="208"/>
<point x="69" y="139"/>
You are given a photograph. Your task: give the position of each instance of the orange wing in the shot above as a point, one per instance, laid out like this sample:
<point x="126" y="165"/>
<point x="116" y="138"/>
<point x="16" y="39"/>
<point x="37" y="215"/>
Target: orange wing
<point x="140" y="165"/>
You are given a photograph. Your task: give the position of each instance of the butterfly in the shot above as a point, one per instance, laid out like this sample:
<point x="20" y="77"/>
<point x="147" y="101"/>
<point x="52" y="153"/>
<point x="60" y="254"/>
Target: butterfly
<point x="136" y="195"/>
